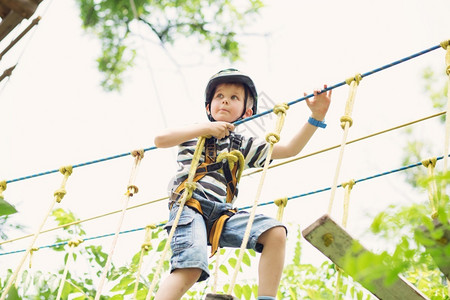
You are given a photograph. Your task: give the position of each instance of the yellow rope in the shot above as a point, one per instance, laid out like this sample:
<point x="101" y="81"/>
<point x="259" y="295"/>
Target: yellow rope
<point x="145" y="247"/>
<point x="346" y="122"/>
<point x="66" y="171"/>
<point x="189" y="188"/>
<point x="445" y="45"/>
<point x="131" y="190"/>
<point x="348" y="188"/>
<point x="281" y="203"/>
<point x="72" y="244"/>
<point x="430" y="164"/>
<point x="271" y="138"/>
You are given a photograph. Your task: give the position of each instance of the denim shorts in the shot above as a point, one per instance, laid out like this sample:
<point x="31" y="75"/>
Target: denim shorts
<point x="189" y="243"/>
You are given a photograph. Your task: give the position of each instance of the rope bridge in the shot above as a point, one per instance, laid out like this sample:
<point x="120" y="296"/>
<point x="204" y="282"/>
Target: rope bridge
<point x="280" y="110"/>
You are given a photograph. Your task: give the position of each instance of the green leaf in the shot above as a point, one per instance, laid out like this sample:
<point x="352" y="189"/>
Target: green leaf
<point x="6" y="208"/>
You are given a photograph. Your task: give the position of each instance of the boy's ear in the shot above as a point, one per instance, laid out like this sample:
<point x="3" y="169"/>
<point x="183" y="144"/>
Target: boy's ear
<point x="207" y="109"/>
<point x="248" y="113"/>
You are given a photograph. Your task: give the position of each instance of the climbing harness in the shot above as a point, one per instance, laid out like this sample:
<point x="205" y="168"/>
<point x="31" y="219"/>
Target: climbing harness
<point x="231" y="164"/>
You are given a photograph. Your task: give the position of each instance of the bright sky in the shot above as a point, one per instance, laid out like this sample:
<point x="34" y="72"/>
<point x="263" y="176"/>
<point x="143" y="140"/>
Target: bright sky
<point x="54" y="113"/>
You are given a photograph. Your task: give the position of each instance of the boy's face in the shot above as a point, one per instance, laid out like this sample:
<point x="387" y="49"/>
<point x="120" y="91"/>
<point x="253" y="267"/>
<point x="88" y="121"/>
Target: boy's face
<point x="228" y="102"/>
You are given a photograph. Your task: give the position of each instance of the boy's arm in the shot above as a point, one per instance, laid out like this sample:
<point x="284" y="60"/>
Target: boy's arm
<point x="175" y="136"/>
<point x="319" y="107"/>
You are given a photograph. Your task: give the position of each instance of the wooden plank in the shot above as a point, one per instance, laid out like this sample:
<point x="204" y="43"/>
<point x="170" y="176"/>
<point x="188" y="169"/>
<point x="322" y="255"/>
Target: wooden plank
<point x="436" y="250"/>
<point x="9" y="23"/>
<point x="333" y="241"/>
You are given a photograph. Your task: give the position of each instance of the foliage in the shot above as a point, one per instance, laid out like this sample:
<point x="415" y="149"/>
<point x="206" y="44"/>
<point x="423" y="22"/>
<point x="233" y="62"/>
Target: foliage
<point x="215" y="23"/>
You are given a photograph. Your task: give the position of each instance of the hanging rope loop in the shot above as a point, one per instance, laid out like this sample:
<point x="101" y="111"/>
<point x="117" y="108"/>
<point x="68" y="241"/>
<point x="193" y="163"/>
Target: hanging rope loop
<point x="430" y="164"/>
<point x="32" y="250"/>
<point x="281" y="203"/>
<point x="148" y="237"/>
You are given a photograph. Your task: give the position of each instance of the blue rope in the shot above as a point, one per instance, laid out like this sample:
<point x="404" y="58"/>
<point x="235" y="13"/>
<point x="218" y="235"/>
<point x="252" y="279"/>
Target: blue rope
<point x="343" y="82"/>
<point x="243" y="120"/>
<point x="77" y="166"/>
<point x="242" y="208"/>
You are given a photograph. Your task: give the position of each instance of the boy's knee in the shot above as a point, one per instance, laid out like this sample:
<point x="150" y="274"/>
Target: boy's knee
<point x="275" y="235"/>
<point x="190" y="275"/>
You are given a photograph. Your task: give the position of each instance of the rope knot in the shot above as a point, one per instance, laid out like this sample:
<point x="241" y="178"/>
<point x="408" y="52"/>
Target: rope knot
<point x="445" y="44"/>
<point x="75" y="242"/>
<point x="2" y="186"/>
<point x="357" y="78"/>
<point x="429" y="161"/>
<point x="281" y="201"/>
<point x="131" y="190"/>
<point x="138" y="153"/>
<point x="272" y="138"/>
<point x="66" y="170"/>
<point x="349" y="183"/>
<point x="59" y="194"/>
<point x="345" y="119"/>
<point x="280" y="108"/>
<point x="190" y="188"/>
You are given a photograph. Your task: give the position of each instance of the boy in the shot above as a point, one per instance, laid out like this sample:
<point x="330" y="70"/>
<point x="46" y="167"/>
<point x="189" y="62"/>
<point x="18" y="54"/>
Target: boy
<point x="229" y="96"/>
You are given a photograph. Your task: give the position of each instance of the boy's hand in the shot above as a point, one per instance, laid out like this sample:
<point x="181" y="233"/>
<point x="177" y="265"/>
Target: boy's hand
<point x="319" y="104"/>
<point x="220" y="129"/>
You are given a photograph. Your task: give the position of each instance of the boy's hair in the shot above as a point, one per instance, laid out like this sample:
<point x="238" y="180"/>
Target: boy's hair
<point x="235" y="77"/>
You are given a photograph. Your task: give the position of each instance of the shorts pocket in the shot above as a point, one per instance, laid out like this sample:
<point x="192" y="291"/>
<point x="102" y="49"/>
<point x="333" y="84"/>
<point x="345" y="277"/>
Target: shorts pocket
<point x="184" y="233"/>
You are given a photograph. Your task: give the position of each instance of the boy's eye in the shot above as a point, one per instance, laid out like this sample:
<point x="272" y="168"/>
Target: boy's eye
<point x="234" y="97"/>
<point x="219" y="95"/>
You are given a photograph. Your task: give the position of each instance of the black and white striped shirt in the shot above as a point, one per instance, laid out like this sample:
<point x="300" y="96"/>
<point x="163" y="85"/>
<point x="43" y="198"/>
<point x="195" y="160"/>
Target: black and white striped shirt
<point x="213" y="185"/>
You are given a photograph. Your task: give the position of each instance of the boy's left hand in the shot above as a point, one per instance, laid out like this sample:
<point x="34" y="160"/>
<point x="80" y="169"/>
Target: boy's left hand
<point x="319" y="104"/>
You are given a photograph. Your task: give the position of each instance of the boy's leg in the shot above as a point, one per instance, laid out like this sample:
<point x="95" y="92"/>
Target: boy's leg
<point x="271" y="262"/>
<point x="178" y="283"/>
<point x="267" y="236"/>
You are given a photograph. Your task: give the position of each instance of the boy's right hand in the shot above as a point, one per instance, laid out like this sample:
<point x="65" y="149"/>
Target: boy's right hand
<point x="220" y="129"/>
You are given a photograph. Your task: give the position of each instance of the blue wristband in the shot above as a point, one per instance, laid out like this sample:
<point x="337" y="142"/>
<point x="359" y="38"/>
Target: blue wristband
<point x="316" y="123"/>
